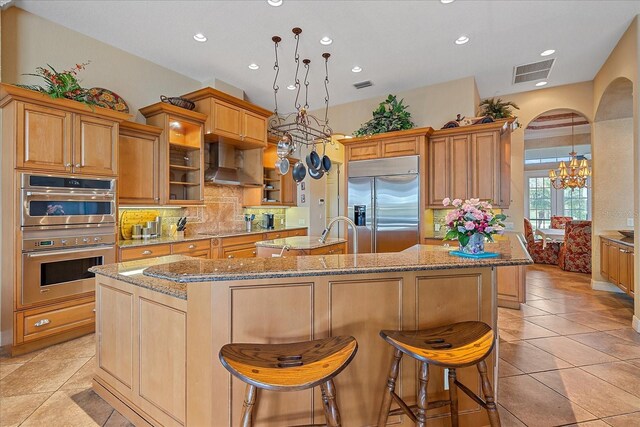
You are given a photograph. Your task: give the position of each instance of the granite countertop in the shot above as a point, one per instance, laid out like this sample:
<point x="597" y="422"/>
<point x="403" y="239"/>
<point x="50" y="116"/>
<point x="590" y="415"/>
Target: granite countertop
<point x="416" y="258"/>
<point x="131" y="272"/>
<point x="618" y="238"/>
<point x="299" y="242"/>
<point x="217" y="234"/>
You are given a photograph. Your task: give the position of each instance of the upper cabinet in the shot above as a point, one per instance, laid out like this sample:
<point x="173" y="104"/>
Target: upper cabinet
<point x="231" y="120"/>
<point x="59" y="135"/>
<point x="470" y="162"/>
<point x="181" y="153"/>
<point x="390" y="144"/>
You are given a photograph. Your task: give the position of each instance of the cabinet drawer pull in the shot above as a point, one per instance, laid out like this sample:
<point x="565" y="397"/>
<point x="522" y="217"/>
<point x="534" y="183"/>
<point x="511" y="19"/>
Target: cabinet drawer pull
<point x="192" y="246"/>
<point x="42" y="322"/>
<point x="254" y="252"/>
<point x="94" y="310"/>
<point x="78" y="165"/>
<point x="147" y="252"/>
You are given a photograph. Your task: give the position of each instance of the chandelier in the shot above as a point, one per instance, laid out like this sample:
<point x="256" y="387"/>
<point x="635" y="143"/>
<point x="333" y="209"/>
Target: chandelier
<point x="574" y="176"/>
<point x="299" y="128"/>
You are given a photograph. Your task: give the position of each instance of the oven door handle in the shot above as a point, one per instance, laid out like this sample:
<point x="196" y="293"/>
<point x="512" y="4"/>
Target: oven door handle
<point x="87" y="196"/>
<point x="70" y="251"/>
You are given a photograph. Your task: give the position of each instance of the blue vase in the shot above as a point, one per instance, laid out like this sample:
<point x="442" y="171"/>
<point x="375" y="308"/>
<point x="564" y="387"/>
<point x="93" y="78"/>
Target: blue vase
<point x="475" y="245"/>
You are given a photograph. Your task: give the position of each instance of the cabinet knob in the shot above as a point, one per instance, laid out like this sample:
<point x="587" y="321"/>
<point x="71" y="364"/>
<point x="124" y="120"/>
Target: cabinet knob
<point x="147" y="252"/>
<point x="78" y="165"/>
<point x="67" y="165"/>
<point x="192" y="246"/>
<point x="230" y="256"/>
<point x="42" y="322"/>
<point x="254" y="252"/>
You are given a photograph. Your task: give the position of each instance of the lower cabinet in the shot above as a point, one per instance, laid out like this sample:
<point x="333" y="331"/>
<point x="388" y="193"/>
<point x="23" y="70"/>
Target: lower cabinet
<point x="616" y="264"/>
<point x="511" y="286"/>
<point x="195" y="248"/>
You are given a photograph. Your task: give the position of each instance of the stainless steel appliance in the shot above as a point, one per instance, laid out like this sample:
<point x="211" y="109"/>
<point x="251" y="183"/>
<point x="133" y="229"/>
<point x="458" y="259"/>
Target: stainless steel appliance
<point x="61" y="200"/>
<point x="384" y="203"/>
<point x="68" y="226"/>
<point x="55" y="260"/>
<point x="268" y="221"/>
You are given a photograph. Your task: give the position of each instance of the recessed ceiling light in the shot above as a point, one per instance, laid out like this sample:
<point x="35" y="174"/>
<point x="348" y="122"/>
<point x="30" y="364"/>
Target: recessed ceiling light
<point x="446" y="1"/>
<point x="326" y="41"/>
<point x="356" y="69"/>
<point x="254" y="66"/>
<point x="462" y="39"/>
<point x="548" y="52"/>
<point x="200" y="38"/>
<point x="291" y="87"/>
<point x="541" y="83"/>
<point x="275" y="3"/>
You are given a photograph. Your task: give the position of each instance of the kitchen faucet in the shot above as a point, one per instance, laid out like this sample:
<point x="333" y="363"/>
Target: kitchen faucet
<point x="326" y="231"/>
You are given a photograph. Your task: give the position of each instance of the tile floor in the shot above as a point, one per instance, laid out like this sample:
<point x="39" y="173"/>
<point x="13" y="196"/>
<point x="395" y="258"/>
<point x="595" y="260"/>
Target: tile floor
<point x="568" y="358"/>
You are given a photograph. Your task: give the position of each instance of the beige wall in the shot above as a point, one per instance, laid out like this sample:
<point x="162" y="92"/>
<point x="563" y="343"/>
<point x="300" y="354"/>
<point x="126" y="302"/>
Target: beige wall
<point x="30" y="41"/>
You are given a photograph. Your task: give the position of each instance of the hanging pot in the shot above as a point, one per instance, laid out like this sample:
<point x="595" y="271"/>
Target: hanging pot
<point x="313" y="159"/>
<point x="316" y="173"/>
<point x="282" y="166"/>
<point x="325" y="161"/>
<point x="284" y="147"/>
<point x="299" y="172"/>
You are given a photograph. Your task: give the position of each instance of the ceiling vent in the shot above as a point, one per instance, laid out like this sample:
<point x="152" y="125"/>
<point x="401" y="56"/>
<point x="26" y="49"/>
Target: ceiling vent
<point x="362" y="85"/>
<point x="534" y="71"/>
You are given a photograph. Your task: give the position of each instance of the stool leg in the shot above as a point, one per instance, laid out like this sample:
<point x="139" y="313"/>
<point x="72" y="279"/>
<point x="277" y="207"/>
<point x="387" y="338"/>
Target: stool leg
<point x="247" y="406"/>
<point x="453" y="397"/>
<point x="487" y="390"/>
<point x="423" y="382"/>
<point x="331" y="412"/>
<point x="390" y="388"/>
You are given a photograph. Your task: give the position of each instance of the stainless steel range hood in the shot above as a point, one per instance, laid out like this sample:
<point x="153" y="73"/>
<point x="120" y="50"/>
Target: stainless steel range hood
<point x="227" y="165"/>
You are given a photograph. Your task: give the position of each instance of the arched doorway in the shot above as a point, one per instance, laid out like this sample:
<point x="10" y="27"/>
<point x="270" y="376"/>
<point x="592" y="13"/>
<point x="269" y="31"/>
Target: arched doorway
<point x="548" y="140"/>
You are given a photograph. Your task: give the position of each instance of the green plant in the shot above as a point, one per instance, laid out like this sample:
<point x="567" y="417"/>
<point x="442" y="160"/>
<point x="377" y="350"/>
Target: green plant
<point x="390" y="115"/>
<point x="61" y="84"/>
<point x="497" y="108"/>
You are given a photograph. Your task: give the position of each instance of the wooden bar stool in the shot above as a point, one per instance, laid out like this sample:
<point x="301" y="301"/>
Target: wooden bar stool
<point x="290" y="367"/>
<point x="452" y="346"/>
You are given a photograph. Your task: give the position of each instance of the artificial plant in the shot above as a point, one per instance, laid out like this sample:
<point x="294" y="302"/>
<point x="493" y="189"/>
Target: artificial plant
<point x="497" y="108"/>
<point x="391" y="115"/>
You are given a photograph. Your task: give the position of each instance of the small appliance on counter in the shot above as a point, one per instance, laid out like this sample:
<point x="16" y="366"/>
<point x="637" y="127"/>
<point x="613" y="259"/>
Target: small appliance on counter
<point x="268" y="221"/>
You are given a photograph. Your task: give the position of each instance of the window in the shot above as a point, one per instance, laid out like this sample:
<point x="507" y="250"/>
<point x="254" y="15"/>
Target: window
<point x="543" y="201"/>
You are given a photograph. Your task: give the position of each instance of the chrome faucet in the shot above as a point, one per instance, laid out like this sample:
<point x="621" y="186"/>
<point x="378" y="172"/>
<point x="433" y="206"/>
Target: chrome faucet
<point x="326" y="231"/>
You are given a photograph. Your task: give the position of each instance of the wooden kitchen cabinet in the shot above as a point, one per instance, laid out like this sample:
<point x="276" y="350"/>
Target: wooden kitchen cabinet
<point x="511" y="283"/>
<point x="470" y="162"/>
<point x="390" y="144"/>
<point x="278" y="190"/>
<point x="617" y="264"/>
<point x="139" y="164"/>
<point x="95" y="146"/>
<point x="192" y="248"/>
<point x="231" y="120"/>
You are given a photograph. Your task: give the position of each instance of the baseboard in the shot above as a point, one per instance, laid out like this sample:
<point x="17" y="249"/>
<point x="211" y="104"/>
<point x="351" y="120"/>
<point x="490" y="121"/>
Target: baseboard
<point x="635" y="324"/>
<point x="600" y="285"/>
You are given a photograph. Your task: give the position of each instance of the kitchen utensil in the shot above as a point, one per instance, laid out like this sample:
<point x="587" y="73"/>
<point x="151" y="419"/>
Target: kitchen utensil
<point x="268" y="222"/>
<point x="153" y="228"/>
<point x="299" y="171"/>
<point x="325" y="161"/>
<point x="313" y="159"/>
<point x="282" y="166"/>
<point x="182" y="223"/>
<point x="136" y="231"/>
<point x="159" y="226"/>
<point x="316" y="173"/>
<point x="178" y="102"/>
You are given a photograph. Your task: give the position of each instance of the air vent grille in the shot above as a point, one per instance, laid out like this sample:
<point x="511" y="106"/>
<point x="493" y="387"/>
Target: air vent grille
<point x="534" y="71"/>
<point x="362" y="85"/>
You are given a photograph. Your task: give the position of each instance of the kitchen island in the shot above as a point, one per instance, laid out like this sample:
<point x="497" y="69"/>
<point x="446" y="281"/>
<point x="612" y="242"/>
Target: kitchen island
<point x="159" y="330"/>
<point x="301" y="246"/>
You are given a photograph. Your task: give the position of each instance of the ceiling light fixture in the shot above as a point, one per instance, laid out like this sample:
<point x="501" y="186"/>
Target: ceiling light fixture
<point x="253" y="66"/>
<point x="446" y="1"/>
<point x="291" y="87"/>
<point x="326" y="41"/>
<point x="548" y="52"/>
<point x="462" y="39"/>
<point x="274" y="3"/>
<point x="578" y="172"/>
<point x="356" y="69"/>
<point x="541" y="83"/>
<point x="200" y="38"/>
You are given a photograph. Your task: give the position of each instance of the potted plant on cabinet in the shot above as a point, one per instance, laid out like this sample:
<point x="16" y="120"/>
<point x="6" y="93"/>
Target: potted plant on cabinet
<point x="391" y="115"/>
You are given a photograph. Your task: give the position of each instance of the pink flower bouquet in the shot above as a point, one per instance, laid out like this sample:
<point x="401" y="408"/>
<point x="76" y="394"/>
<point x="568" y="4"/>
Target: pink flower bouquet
<point x="472" y="220"/>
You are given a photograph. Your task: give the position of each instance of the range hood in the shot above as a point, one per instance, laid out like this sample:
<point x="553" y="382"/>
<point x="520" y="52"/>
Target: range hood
<point x="227" y="165"/>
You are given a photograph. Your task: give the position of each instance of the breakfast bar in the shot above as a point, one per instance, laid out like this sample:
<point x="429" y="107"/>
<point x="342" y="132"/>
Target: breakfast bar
<point x="160" y="328"/>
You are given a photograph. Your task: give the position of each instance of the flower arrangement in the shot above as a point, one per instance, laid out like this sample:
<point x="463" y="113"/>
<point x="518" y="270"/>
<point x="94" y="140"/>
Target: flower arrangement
<point x="472" y="220"/>
<point x="62" y="84"/>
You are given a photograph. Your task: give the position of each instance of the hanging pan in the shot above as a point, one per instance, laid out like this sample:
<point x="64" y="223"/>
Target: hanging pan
<point x="325" y="161"/>
<point x="316" y="173"/>
<point x="299" y="171"/>
<point x="313" y="159"/>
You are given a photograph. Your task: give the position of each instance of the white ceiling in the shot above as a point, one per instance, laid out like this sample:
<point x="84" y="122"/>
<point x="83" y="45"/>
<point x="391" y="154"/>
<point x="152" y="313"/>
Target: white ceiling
<point x="399" y="44"/>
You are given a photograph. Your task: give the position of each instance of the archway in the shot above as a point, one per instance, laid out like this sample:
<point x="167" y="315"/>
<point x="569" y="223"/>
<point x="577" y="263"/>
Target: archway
<point x="549" y="139"/>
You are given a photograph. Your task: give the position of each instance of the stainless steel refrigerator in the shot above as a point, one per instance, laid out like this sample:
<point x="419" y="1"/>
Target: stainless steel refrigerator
<point x="384" y="202"/>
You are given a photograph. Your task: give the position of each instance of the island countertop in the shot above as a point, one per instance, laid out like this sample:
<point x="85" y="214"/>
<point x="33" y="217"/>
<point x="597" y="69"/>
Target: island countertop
<point x="299" y="242"/>
<point x="417" y="258"/>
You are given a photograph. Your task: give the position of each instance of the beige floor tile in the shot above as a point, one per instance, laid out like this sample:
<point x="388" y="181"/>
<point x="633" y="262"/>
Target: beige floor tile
<point x="78" y="408"/>
<point x="509" y="313"/>
<point x="529" y="358"/>
<point x="506" y="369"/>
<point x="594" y="320"/>
<point x="523" y="329"/>
<point x="535" y="404"/>
<point x="527" y="311"/>
<point x="505" y="336"/>
<point x="546" y="293"/>
<point x="117" y="420"/>
<point x="572" y="351"/>
<point x="628" y="420"/>
<point x="80" y="348"/>
<point x="507" y="419"/>
<point x="614" y="346"/>
<point x="16" y="409"/>
<point x="580" y="387"/>
<point x="39" y="377"/>
<point x="621" y="374"/>
<point x="628" y="334"/>
<point x="620" y="314"/>
<point x="554" y="306"/>
<point x="83" y="378"/>
<point x="594" y="423"/>
<point x="559" y="325"/>
<point x="7" y="369"/>
<point x="6" y="360"/>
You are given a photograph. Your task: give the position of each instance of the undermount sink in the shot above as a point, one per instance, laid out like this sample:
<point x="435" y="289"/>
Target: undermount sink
<point x="626" y="233"/>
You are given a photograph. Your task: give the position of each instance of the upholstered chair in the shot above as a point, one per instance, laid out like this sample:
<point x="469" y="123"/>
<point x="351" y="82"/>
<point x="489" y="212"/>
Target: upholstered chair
<point x="560" y="221"/>
<point x="575" y="254"/>
<point x="540" y="254"/>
